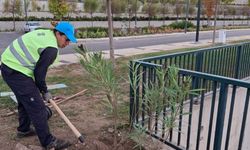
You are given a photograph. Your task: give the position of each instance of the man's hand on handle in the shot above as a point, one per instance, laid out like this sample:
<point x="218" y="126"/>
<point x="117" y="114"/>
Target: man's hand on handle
<point x="47" y="96"/>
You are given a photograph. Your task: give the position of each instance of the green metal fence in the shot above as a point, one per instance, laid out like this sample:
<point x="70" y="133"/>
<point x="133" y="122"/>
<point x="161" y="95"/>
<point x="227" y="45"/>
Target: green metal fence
<point x="219" y="119"/>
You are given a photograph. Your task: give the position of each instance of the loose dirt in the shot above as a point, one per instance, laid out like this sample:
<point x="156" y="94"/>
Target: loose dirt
<point x="86" y="112"/>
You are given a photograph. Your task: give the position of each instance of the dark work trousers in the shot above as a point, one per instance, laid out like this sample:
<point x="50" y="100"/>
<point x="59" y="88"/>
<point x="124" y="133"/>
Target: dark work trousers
<point x="31" y="107"/>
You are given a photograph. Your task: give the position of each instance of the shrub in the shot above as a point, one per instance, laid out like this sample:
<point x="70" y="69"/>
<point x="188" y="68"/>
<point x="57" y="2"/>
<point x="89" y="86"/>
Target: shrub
<point x="181" y="25"/>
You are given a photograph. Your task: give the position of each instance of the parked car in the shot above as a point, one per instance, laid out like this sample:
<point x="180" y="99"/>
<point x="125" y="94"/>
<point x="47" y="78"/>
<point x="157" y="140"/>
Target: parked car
<point x="30" y="26"/>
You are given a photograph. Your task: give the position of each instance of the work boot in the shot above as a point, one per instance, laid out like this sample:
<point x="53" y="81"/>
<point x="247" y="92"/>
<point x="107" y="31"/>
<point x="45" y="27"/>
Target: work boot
<point x="29" y="133"/>
<point x="58" y="144"/>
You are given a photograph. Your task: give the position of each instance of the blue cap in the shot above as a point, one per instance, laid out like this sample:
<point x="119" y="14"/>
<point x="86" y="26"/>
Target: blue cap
<point x="67" y="29"/>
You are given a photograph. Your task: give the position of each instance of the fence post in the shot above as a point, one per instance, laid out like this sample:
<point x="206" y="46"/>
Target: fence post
<point x="198" y="67"/>
<point x="199" y="61"/>
<point x="220" y="116"/>
<point x="238" y="57"/>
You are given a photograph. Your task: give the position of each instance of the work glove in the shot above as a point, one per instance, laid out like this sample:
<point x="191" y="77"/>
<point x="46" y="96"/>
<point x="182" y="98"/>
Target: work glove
<point x="47" y="96"/>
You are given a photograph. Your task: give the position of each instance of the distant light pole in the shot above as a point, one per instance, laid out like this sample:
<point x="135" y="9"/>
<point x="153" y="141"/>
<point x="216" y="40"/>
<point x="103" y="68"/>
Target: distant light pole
<point x="25" y="9"/>
<point x="198" y="21"/>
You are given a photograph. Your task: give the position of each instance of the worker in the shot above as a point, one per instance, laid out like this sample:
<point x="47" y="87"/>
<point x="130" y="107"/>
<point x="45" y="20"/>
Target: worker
<point x="24" y="67"/>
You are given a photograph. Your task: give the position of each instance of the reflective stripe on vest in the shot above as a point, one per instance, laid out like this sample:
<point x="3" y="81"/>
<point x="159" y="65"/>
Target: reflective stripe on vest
<point x="19" y="58"/>
<point x="25" y="50"/>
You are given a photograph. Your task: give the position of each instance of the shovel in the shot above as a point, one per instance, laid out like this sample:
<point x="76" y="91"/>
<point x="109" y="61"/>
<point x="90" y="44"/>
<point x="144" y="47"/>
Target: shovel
<point x="72" y="127"/>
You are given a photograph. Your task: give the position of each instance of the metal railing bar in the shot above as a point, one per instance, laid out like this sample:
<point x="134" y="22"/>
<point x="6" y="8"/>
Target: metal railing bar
<point x="226" y="62"/>
<point x="200" y="114"/>
<point x="190" y="115"/>
<point x="220" y="116"/>
<point x="243" y="124"/>
<point x="238" y="57"/>
<point x="230" y="117"/>
<point x="166" y="142"/>
<point x="211" y="114"/>
<point x="217" y="78"/>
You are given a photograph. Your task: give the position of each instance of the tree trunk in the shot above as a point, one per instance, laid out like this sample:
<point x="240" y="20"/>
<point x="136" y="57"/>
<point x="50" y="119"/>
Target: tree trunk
<point x="149" y="13"/>
<point x="187" y="13"/>
<point x="25" y="9"/>
<point x="215" y="19"/>
<point x="164" y="13"/>
<point x="110" y="26"/>
<point x="136" y="14"/>
<point x="13" y="15"/>
<point x="129" y="16"/>
<point x="91" y="15"/>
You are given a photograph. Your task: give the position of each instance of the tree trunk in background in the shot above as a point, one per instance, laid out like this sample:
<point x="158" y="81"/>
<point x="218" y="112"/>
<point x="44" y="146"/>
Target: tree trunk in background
<point x="110" y="26"/>
<point x="13" y="15"/>
<point x="215" y="19"/>
<point x="25" y="9"/>
<point x="136" y="15"/>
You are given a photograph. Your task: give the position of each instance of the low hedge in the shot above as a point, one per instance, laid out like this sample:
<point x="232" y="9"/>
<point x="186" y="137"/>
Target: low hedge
<point x="99" y="32"/>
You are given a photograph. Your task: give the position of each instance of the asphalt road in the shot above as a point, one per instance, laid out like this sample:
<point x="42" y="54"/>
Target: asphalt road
<point x="132" y="42"/>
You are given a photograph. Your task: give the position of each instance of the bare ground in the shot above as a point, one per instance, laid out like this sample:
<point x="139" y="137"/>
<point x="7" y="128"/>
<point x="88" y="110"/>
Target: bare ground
<point x="86" y="112"/>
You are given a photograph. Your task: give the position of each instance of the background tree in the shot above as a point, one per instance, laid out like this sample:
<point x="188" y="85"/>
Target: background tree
<point x="164" y="9"/>
<point x="58" y="8"/>
<point x="151" y="7"/>
<point x="90" y="6"/>
<point x="209" y="7"/>
<point x="72" y="7"/>
<point x="203" y="14"/>
<point x="110" y="29"/>
<point x="232" y="11"/>
<point x="135" y="5"/>
<point x="6" y="6"/>
<point x="132" y="8"/>
<point x="14" y="7"/>
<point x="225" y="3"/>
<point x="43" y="7"/>
<point x="129" y="11"/>
<point x="248" y="4"/>
<point x="215" y="19"/>
<point x="191" y="10"/>
<point x="187" y="10"/>
<point x="26" y="6"/>
<point x="178" y="8"/>
<point x="118" y="7"/>
<point x="34" y="5"/>
<point x="103" y="6"/>
<point x="245" y="13"/>
<point x="172" y="4"/>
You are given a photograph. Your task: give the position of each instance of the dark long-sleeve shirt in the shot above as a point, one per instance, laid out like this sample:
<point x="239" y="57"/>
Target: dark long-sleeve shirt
<point x="47" y="57"/>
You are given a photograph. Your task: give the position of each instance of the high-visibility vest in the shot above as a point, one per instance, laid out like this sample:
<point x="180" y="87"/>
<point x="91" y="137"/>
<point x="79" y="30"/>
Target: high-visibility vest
<point x="23" y="53"/>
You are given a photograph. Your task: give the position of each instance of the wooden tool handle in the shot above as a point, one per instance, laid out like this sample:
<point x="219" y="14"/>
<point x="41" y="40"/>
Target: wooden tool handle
<point x="72" y="127"/>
